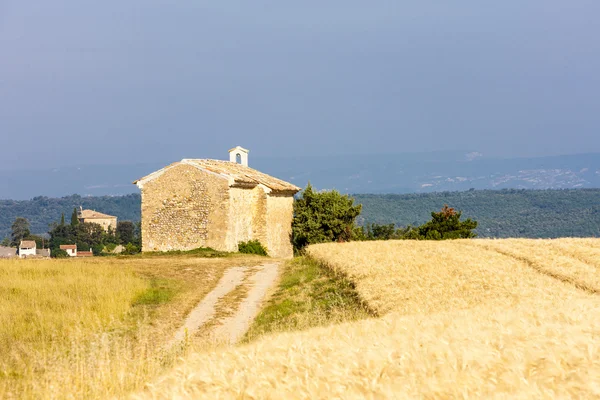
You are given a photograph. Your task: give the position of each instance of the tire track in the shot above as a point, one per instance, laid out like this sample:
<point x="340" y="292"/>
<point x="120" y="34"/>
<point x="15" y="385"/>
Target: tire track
<point x="535" y="266"/>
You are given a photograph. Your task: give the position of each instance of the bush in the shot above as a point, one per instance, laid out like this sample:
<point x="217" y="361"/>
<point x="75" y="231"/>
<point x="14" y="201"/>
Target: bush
<point x="252" y="247"/>
<point x="130" y="249"/>
<point x="326" y="216"/>
<point x="59" y="253"/>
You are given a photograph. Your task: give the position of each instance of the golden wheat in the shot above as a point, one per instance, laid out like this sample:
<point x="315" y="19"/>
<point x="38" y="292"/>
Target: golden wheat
<point x="573" y="260"/>
<point x="423" y="277"/>
<point x="463" y="321"/>
<point x="545" y="352"/>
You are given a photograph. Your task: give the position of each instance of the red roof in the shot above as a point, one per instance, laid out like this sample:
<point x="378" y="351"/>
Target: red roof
<point x="85" y="254"/>
<point x="68" y="247"/>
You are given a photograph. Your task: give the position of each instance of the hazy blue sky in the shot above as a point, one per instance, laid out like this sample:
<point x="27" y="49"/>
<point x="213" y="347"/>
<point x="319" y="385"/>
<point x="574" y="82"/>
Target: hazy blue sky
<point x="119" y="81"/>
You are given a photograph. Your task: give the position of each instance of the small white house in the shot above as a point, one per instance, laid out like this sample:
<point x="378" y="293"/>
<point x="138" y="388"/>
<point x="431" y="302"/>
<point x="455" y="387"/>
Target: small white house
<point x="27" y="248"/>
<point x="71" y="249"/>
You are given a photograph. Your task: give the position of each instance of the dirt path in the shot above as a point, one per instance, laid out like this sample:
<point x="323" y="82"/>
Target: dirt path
<point x="231" y="329"/>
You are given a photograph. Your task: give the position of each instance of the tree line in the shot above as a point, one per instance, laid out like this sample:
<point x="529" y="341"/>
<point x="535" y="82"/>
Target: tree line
<point x="86" y="235"/>
<point x="329" y="216"/>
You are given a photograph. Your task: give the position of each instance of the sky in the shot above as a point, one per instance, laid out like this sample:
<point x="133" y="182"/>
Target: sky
<point x="138" y="81"/>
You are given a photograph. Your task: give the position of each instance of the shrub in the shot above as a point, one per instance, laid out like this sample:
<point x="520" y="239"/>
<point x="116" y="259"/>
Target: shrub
<point x="252" y="247"/>
<point x="326" y="216"/>
<point x="130" y="249"/>
<point x="58" y="253"/>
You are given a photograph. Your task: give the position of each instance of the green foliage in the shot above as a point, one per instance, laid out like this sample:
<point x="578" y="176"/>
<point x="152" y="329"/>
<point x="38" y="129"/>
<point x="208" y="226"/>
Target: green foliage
<point x="5" y="242"/>
<point x="42" y="211"/>
<point x="59" y="253"/>
<point x="74" y="218"/>
<point x="326" y="216"/>
<point x="88" y="235"/>
<point x="97" y="249"/>
<point x="308" y="295"/>
<point x="160" y="291"/>
<point x="199" y="252"/>
<point x="20" y="230"/>
<point x="446" y="224"/>
<point x="62" y="219"/>
<point x="130" y="249"/>
<point x="499" y="213"/>
<point x="252" y="247"/>
<point x="125" y="232"/>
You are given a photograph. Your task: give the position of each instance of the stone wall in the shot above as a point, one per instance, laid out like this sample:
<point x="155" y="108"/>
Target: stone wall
<point x="103" y="222"/>
<point x="280" y="211"/>
<point x="241" y="203"/>
<point x="185" y="208"/>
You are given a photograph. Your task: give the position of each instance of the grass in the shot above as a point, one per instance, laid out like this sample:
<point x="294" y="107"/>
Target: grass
<point x="97" y="327"/>
<point x="199" y="252"/>
<point x="308" y="295"/>
<point x="459" y="320"/>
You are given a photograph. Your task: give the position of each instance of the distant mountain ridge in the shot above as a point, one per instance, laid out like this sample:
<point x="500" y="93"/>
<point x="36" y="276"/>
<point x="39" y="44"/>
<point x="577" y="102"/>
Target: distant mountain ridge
<point x="383" y="173"/>
<point x="500" y="213"/>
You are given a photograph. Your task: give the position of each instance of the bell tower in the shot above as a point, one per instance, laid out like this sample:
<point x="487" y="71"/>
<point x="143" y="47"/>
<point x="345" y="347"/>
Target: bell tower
<point x="239" y="155"/>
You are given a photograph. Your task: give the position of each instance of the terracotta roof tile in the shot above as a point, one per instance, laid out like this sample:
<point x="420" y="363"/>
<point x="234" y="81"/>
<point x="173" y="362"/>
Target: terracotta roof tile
<point x="27" y="244"/>
<point x="68" y="246"/>
<point x="241" y="175"/>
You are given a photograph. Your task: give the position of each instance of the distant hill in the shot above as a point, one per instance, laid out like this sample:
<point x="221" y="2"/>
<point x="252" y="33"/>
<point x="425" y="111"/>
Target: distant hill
<point x="42" y="211"/>
<point x="500" y="213"/>
<point x="382" y="173"/>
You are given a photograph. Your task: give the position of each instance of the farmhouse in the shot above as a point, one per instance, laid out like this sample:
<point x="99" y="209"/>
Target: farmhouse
<point x="71" y="249"/>
<point x="213" y="203"/>
<point x="96" y="217"/>
<point x="27" y="248"/>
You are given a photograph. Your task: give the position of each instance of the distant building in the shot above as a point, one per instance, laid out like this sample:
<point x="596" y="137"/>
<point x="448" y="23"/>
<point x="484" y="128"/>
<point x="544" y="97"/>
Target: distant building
<point x="212" y="203"/>
<point x="27" y="248"/>
<point x="7" y="252"/>
<point x="85" y="253"/>
<point x="71" y="249"/>
<point x="96" y="217"/>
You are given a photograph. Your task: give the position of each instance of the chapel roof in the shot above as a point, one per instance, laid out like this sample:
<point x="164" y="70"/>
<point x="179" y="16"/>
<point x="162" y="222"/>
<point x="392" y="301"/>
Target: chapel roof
<point x="27" y="244"/>
<point x="239" y="174"/>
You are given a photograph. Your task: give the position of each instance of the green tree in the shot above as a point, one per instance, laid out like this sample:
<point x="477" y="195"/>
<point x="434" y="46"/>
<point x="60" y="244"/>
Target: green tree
<point x="5" y="242"/>
<point x="125" y="232"/>
<point x="74" y="218"/>
<point x="20" y="230"/>
<point x="446" y="224"/>
<point x="62" y="219"/>
<point x="325" y="216"/>
<point x="88" y="235"/>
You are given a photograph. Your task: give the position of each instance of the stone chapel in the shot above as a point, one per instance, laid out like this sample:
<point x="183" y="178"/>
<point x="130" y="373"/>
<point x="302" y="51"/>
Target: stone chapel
<point x="213" y="203"/>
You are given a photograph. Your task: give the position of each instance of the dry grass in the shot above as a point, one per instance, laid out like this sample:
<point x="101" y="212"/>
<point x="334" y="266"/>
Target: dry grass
<point x="96" y="328"/>
<point x="424" y="277"/>
<point x="461" y="321"/>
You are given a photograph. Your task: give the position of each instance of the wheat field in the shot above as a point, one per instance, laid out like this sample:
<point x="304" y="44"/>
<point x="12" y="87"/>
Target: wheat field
<point x="458" y="319"/>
